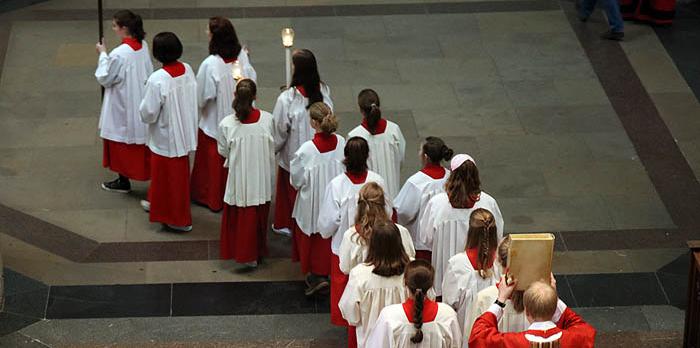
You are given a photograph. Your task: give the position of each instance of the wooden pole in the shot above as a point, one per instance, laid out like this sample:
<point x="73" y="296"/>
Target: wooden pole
<point x="100" y="26"/>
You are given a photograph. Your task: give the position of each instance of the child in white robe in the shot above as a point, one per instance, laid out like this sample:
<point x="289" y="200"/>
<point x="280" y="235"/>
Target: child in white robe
<point x="472" y="270"/>
<point x="169" y="107"/>
<point x="419" y="321"/>
<point x="338" y="210"/>
<point x="371" y="208"/>
<point x="513" y="318"/>
<point x="292" y="129"/>
<point x="376" y="283"/>
<point x="444" y="226"/>
<point x="314" y="165"/>
<point x="421" y="187"/>
<point x="215" y="89"/>
<point x="123" y="74"/>
<point x="245" y="140"/>
<point x="387" y="145"/>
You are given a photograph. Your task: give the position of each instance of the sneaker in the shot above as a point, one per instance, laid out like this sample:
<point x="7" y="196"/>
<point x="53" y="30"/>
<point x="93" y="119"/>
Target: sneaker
<point x="146" y="205"/>
<point x="282" y="231"/>
<point x="246" y="267"/>
<point x="613" y="35"/>
<point x="117" y="185"/>
<point x="316" y="284"/>
<point x="179" y="228"/>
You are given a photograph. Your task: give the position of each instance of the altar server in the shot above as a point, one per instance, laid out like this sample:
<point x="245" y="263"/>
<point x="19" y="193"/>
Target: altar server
<point x="472" y="270"/>
<point x="376" y="283"/>
<point x="338" y="210"/>
<point x="245" y="140"/>
<point x="292" y="129"/>
<point x="314" y="165"/>
<point x="123" y="74"/>
<point x="421" y="187"/>
<point x="444" y="226"/>
<point x="552" y="323"/>
<point x="215" y="87"/>
<point x="371" y="209"/>
<point x="513" y="318"/>
<point x="418" y="321"/>
<point x="387" y="145"/>
<point x="170" y="110"/>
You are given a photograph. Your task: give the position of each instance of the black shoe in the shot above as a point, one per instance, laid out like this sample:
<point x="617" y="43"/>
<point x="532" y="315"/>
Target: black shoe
<point x="613" y="35"/>
<point x="118" y="185"/>
<point x="316" y="284"/>
<point x="583" y="18"/>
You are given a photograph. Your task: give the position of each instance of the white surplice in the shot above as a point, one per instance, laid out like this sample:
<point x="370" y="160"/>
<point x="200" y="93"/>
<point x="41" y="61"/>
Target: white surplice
<point x="386" y="153"/>
<point x="510" y="321"/>
<point x="169" y="107"/>
<point x="393" y="330"/>
<point x="444" y="230"/>
<point x="250" y="158"/>
<point x="310" y="172"/>
<point x="460" y="286"/>
<point x="215" y="87"/>
<point x="365" y="295"/>
<point x="292" y="126"/>
<point x="413" y="198"/>
<point x="339" y="207"/>
<point x="354" y="252"/>
<point x="123" y="73"/>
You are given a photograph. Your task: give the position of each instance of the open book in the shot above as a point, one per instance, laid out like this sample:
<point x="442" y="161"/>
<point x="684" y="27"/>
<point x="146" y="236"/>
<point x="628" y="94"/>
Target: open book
<point x="530" y="258"/>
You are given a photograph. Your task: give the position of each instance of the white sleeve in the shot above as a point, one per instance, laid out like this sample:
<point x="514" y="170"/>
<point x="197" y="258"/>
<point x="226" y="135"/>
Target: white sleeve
<point x="327" y="98"/>
<point x="451" y="290"/>
<point x="496" y="211"/>
<point x="329" y="214"/>
<point x="223" y="146"/>
<point x="249" y="72"/>
<point x="402" y="144"/>
<point x="407" y="204"/>
<point x="407" y="242"/>
<point x="382" y="334"/>
<point x="297" y="170"/>
<point x="109" y="70"/>
<point x="206" y="85"/>
<point x="455" y="333"/>
<point x="345" y="254"/>
<point x="349" y="303"/>
<point x="282" y="123"/>
<point x="426" y="228"/>
<point x="152" y="103"/>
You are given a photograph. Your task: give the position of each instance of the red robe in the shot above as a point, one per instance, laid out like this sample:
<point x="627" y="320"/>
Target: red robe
<point x="130" y="160"/>
<point x="576" y="333"/>
<point x="169" y="192"/>
<point x="285" y="195"/>
<point x="208" y="174"/>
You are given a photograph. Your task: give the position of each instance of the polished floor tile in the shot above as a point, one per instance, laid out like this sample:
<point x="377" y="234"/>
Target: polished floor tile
<point x="109" y="301"/>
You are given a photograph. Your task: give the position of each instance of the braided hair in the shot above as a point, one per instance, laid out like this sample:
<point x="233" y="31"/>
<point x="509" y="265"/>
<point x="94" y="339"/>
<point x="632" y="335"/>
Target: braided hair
<point x="419" y="279"/>
<point x="482" y="236"/>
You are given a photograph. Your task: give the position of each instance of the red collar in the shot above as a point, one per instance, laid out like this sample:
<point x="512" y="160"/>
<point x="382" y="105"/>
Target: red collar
<point x="229" y="60"/>
<point x="544" y="333"/>
<point x="378" y="129"/>
<point x="175" y="68"/>
<point x="430" y="309"/>
<point x="253" y="117"/>
<point x="357" y="178"/>
<point x="434" y="171"/>
<point x="325" y="142"/>
<point x="473" y="254"/>
<point x="133" y="43"/>
<point x="301" y="90"/>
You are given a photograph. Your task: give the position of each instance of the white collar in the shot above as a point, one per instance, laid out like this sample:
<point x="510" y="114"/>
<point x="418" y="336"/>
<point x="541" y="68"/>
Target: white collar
<point x="542" y="325"/>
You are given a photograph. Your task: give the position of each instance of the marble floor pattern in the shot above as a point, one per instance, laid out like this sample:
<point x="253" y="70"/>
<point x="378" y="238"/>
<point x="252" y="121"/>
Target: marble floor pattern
<point x="518" y="85"/>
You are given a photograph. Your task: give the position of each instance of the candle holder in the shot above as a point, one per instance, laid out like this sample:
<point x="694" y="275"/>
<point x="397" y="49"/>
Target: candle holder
<point x="288" y="42"/>
<point x="237" y="71"/>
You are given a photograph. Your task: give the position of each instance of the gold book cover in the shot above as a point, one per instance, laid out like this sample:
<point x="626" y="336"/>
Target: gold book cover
<point x="530" y="258"/>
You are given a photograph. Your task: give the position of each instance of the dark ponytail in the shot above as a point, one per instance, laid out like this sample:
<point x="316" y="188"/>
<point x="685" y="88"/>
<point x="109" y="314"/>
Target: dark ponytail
<point x="244" y="97"/>
<point x="368" y="100"/>
<point x="419" y="277"/>
<point x="436" y="150"/>
<point x="133" y="23"/>
<point x="306" y="75"/>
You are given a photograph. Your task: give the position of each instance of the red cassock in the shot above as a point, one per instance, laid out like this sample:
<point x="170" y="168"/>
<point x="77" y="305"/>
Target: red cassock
<point x="285" y="195"/>
<point x="130" y="160"/>
<point x="424" y="255"/>
<point x="208" y="174"/>
<point x="312" y="252"/>
<point x="576" y="333"/>
<point x="169" y="192"/>
<point x="660" y="12"/>
<point x="244" y="232"/>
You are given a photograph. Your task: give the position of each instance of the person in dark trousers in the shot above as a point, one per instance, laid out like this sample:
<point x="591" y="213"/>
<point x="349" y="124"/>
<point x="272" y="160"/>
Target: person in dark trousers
<point x="612" y="11"/>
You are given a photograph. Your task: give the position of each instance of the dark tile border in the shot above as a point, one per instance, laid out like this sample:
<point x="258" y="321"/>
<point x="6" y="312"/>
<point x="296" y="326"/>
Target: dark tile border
<point x="287" y="297"/>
